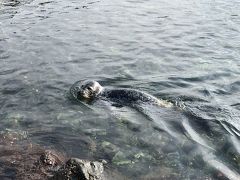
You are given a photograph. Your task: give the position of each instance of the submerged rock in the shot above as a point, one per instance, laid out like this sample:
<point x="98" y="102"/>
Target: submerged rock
<point x="79" y="169"/>
<point x="121" y="159"/>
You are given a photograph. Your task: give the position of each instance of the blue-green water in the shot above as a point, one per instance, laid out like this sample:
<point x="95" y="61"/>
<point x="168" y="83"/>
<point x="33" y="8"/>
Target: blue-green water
<point x="185" y="51"/>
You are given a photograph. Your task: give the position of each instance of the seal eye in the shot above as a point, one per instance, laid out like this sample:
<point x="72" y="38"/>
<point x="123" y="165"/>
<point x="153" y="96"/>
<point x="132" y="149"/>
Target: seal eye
<point x="89" y="88"/>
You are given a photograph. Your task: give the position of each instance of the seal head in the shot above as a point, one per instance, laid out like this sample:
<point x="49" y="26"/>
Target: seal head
<point x="87" y="89"/>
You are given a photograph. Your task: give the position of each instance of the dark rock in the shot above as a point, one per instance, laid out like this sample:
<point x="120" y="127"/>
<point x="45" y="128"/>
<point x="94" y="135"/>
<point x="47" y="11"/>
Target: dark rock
<point x="51" y="158"/>
<point x="22" y="160"/>
<point x="80" y="170"/>
<point x="37" y="163"/>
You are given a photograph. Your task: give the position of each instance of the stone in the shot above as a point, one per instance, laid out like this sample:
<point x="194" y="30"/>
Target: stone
<point x="80" y="169"/>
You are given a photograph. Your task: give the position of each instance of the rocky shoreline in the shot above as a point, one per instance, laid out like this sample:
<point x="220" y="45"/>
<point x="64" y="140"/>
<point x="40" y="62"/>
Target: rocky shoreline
<point x="20" y="159"/>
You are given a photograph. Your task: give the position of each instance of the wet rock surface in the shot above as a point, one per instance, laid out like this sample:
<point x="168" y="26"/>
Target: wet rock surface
<point x="22" y="160"/>
<point x="79" y="169"/>
<point x="39" y="164"/>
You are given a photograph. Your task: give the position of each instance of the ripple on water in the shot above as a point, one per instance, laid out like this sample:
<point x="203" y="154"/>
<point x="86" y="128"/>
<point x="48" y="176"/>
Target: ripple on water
<point x="186" y="52"/>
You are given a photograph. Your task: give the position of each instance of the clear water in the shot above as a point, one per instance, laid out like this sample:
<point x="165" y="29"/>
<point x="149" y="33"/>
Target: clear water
<point x="185" y="51"/>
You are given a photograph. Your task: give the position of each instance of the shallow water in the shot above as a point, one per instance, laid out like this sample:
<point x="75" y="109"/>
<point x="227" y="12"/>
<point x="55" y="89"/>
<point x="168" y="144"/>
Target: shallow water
<point x="185" y="51"/>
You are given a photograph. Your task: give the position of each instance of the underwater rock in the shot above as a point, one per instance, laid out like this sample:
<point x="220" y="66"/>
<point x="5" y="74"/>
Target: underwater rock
<point x="162" y="173"/>
<point x="79" y="169"/>
<point x="13" y="120"/>
<point x="108" y="150"/>
<point x="121" y="159"/>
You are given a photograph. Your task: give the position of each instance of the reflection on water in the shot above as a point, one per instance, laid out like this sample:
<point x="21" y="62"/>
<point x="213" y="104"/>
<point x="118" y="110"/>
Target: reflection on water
<point x="186" y="52"/>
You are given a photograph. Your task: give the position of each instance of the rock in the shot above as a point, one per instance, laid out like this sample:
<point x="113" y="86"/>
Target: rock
<point x="79" y="169"/>
<point x="51" y="158"/>
<point x="121" y="159"/>
<point x="109" y="149"/>
<point x="37" y="163"/>
<point x="21" y="160"/>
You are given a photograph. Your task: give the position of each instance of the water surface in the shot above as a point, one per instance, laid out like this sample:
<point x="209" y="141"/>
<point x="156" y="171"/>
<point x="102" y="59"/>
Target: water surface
<point x="185" y="51"/>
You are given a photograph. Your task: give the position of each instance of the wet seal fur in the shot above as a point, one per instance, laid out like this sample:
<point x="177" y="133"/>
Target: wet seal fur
<point x="90" y="90"/>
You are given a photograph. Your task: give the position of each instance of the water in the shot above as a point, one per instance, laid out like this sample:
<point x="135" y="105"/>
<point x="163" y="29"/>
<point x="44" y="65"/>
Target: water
<point x="185" y="51"/>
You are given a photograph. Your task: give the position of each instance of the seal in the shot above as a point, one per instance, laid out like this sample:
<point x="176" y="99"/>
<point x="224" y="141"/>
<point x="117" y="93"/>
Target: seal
<point x="90" y="90"/>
